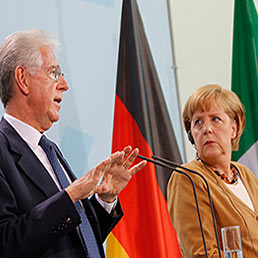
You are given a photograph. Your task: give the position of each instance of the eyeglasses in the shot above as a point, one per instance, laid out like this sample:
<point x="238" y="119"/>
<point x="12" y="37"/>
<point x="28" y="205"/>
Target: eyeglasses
<point x="54" y="72"/>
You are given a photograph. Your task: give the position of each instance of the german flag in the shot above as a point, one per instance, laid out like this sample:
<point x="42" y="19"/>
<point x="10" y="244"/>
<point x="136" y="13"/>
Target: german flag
<point x="141" y="120"/>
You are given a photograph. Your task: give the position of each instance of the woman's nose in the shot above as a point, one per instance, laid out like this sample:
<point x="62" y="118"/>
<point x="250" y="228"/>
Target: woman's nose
<point x="207" y="127"/>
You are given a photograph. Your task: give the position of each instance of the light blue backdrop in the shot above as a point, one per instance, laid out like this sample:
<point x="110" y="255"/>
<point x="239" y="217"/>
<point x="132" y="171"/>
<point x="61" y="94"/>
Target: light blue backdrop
<point x="89" y="31"/>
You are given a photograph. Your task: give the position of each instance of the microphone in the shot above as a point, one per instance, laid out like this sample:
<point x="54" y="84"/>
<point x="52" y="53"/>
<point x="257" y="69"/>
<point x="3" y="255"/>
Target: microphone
<point x="171" y="165"/>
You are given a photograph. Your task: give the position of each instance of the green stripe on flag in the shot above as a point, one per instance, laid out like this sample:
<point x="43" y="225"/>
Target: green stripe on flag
<point x="245" y="71"/>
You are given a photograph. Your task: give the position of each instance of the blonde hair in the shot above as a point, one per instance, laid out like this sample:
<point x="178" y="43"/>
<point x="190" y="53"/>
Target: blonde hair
<point x="202" y="99"/>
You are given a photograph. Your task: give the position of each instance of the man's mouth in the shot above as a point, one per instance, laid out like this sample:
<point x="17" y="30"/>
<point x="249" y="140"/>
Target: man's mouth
<point x="58" y="100"/>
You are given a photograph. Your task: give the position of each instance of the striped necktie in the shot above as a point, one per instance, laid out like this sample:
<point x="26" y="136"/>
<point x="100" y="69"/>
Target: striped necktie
<point x="87" y="233"/>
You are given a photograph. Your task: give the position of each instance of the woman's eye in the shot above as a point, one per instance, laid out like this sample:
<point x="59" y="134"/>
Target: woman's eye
<point x="197" y="122"/>
<point x="216" y="119"/>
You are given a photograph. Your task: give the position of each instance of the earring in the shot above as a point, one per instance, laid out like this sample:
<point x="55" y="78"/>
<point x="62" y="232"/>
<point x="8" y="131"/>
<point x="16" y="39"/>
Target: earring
<point x="197" y="156"/>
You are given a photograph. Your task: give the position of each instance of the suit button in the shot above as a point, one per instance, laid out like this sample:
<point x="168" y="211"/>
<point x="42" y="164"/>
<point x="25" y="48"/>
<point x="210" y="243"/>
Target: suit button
<point x="68" y="220"/>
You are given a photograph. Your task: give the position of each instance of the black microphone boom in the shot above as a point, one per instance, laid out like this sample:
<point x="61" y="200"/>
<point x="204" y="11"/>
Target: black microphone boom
<point x="171" y="165"/>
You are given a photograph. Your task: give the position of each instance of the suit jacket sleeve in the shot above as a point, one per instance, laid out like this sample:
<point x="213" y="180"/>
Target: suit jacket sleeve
<point x="94" y="211"/>
<point x="36" y="219"/>
<point x="27" y="230"/>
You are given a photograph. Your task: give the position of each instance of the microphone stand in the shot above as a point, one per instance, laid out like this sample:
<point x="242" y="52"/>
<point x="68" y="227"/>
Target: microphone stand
<point x="208" y="190"/>
<point x="159" y="163"/>
<point x="171" y="165"/>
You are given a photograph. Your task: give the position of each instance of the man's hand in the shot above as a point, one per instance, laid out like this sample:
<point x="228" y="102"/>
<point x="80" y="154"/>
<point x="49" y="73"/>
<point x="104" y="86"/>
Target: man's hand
<point x="85" y="186"/>
<point x="118" y="175"/>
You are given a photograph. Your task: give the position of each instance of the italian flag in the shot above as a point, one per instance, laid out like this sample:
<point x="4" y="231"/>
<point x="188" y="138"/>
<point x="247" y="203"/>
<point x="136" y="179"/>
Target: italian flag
<point x="245" y="78"/>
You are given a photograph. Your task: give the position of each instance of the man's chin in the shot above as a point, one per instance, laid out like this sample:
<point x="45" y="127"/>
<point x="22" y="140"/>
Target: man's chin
<point x="50" y="122"/>
<point x="54" y="118"/>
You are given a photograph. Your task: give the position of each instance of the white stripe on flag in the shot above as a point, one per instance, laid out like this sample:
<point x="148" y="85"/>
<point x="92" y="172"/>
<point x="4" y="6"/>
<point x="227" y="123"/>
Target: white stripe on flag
<point x="250" y="158"/>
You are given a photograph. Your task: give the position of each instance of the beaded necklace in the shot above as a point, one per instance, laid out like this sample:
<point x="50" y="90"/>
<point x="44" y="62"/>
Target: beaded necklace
<point x="225" y="178"/>
<point x="233" y="170"/>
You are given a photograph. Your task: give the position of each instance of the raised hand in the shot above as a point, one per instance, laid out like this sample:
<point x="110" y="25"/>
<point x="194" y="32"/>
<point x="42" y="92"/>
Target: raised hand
<point x="119" y="174"/>
<point x="85" y="186"/>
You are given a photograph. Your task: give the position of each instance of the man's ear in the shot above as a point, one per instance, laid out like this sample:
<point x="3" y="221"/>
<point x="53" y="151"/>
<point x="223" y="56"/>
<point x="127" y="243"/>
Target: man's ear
<point x="21" y="77"/>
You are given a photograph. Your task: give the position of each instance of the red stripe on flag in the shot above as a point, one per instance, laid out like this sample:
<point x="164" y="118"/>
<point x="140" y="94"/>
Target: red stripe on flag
<point x="146" y="229"/>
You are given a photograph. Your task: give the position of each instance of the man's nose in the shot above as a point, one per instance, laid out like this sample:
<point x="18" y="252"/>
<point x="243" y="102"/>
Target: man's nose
<point x="62" y="84"/>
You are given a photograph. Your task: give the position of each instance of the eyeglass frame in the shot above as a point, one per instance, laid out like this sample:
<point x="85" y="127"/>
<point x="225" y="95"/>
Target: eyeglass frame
<point x="52" y="74"/>
<point x="55" y="73"/>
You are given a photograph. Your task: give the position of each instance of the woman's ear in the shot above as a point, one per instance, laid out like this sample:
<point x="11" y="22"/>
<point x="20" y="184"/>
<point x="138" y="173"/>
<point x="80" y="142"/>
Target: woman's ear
<point x="21" y="77"/>
<point x="234" y="130"/>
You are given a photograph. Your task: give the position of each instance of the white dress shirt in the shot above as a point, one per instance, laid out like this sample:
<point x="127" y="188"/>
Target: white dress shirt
<point x="32" y="136"/>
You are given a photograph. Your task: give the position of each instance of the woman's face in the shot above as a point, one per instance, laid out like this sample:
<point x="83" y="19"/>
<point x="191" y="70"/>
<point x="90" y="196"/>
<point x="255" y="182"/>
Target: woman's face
<point x="212" y="131"/>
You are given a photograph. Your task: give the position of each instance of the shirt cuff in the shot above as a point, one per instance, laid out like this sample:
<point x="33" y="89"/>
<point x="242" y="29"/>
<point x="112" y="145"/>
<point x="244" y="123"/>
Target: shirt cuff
<point x="108" y="206"/>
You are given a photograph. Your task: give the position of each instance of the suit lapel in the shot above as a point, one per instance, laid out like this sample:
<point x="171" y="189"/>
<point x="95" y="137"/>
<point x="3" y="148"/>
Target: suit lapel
<point x="27" y="161"/>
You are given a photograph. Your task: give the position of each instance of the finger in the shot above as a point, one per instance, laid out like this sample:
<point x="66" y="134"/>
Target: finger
<point x="117" y="158"/>
<point x="137" y="167"/>
<point x="127" y="150"/>
<point x="124" y="153"/>
<point x="106" y="168"/>
<point x="101" y="167"/>
<point x="127" y="163"/>
<point x="116" y="155"/>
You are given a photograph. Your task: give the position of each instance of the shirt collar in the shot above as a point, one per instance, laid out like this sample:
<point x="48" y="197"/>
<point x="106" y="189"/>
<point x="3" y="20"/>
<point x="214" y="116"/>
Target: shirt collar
<point x="29" y="134"/>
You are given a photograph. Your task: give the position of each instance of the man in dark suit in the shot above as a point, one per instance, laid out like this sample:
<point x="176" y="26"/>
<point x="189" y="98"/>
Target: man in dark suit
<point x="42" y="204"/>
